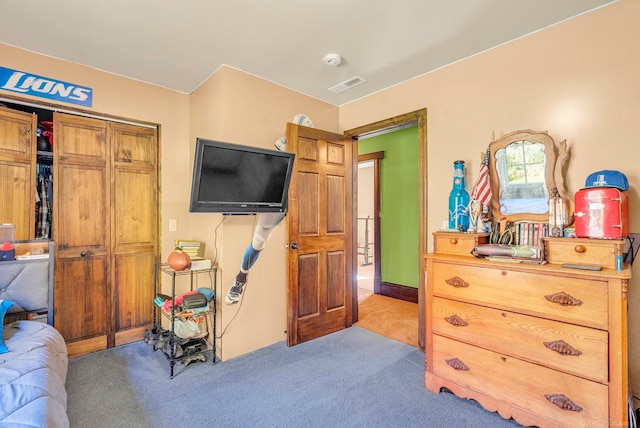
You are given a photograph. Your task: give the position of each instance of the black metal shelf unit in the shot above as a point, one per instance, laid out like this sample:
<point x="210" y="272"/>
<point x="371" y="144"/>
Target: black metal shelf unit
<point x="194" y="348"/>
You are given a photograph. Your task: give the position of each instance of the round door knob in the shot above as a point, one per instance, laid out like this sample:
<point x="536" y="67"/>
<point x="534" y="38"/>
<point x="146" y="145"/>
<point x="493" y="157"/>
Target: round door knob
<point x="294" y="245"/>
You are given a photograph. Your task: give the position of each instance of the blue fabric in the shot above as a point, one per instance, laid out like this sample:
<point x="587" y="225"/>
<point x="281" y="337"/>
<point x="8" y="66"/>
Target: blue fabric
<point x="4" y="307"/>
<point x="250" y="257"/>
<point x="208" y="293"/>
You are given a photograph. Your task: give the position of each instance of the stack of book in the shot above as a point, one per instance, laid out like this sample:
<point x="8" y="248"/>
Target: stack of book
<point x="193" y="249"/>
<point x="190" y="247"/>
<point x="528" y="233"/>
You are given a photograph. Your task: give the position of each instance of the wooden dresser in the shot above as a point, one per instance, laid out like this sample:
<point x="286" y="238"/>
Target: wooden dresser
<point x="542" y="344"/>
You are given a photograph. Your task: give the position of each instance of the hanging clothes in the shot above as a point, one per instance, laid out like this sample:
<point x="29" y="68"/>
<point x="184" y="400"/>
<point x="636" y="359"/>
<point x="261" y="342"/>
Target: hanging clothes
<point x="43" y="202"/>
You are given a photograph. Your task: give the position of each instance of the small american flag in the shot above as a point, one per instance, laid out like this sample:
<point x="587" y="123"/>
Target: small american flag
<point x="482" y="188"/>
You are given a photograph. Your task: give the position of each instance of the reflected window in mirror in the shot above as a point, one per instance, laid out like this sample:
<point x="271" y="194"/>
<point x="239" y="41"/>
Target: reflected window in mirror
<point x="523" y="164"/>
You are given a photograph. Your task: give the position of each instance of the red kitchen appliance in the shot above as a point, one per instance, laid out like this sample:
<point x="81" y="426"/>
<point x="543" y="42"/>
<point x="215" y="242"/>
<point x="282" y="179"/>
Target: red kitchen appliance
<point x="601" y="212"/>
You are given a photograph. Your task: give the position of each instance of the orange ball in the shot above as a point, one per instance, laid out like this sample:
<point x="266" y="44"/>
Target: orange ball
<point x="179" y="260"/>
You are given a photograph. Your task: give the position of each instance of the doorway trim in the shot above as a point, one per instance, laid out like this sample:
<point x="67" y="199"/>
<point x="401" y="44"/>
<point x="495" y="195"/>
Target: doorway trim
<point x="416" y="118"/>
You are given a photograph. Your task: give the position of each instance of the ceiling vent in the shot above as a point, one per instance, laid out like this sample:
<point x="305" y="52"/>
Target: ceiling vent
<point x="347" y="84"/>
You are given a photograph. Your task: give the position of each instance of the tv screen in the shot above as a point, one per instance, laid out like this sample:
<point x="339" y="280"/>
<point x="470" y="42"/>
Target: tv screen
<point x="235" y="179"/>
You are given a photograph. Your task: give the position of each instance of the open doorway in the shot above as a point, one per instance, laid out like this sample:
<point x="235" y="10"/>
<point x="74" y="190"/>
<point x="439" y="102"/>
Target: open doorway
<point x="366" y="241"/>
<point x="416" y="118"/>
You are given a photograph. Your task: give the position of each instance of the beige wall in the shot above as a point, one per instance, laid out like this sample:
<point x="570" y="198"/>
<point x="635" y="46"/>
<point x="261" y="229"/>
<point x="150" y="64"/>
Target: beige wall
<point x="579" y="80"/>
<point x="235" y="107"/>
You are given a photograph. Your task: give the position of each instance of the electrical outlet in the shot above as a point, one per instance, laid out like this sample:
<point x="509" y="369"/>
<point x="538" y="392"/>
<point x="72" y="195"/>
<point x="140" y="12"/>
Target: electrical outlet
<point x="173" y="225"/>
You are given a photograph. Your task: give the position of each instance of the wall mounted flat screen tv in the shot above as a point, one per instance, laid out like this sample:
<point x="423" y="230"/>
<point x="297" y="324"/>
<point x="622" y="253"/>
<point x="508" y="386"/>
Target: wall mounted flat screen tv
<point x="236" y="179"/>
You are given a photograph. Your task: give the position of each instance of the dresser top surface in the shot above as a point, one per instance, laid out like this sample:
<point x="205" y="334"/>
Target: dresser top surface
<point x="547" y="268"/>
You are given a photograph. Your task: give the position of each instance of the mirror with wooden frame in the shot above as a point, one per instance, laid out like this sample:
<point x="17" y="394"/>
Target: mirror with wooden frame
<point x="527" y="178"/>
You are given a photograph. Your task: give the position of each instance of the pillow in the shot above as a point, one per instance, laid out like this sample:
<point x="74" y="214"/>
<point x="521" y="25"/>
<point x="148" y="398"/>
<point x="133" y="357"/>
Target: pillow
<point x="4" y="306"/>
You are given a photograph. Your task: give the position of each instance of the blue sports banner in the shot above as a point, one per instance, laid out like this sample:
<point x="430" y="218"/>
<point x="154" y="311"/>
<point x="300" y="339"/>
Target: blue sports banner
<point x="44" y="87"/>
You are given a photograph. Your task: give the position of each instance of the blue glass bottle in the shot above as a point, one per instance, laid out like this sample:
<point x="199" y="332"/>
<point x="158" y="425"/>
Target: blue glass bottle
<point x="458" y="200"/>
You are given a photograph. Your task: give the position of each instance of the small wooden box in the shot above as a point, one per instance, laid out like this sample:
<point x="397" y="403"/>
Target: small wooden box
<point x="457" y="243"/>
<point x="599" y="252"/>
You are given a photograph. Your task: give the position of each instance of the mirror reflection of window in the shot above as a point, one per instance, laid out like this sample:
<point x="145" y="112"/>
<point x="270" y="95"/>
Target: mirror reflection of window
<point x="525" y="163"/>
<point x="521" y="166"/>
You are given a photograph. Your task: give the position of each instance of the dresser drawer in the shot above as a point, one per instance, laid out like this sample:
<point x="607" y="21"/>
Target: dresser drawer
<point x="569" y="348"/>
<point x="600" y="252"/>
<point x="522" y="384"/>
<point x="457" y="243"/>
<point x="562" y="298"/>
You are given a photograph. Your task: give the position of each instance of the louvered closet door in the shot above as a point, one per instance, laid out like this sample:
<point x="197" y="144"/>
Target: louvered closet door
<point x="17" y="175"/>
<point x="134" y="225"/>
<point x="81" y="231"/>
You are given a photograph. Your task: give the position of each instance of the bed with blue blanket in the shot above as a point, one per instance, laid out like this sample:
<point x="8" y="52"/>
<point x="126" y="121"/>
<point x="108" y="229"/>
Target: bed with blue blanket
<point x="33" y="354"/>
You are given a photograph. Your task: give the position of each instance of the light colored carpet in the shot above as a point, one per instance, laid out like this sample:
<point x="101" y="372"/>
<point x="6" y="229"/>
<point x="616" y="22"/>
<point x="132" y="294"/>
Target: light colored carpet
<point x="390" y="317"/>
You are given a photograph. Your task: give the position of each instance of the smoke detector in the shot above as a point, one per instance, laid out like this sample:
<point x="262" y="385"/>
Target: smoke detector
<point x="332" y="59"/>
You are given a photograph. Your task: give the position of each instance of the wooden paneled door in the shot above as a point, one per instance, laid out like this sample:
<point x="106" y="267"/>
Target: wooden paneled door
<point x="17" y="175"/>
<point x="105" y="230"/>
<point x="134" y="226"/>
<point x="320" y="222"/>
<point x="81" y="231"/>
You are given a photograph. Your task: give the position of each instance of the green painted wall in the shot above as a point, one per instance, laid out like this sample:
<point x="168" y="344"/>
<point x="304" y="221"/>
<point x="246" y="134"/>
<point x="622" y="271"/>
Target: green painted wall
<point x="398" y="204"/>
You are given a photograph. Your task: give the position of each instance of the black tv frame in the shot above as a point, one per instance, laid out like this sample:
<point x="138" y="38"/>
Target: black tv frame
<point x="197" y="205"/>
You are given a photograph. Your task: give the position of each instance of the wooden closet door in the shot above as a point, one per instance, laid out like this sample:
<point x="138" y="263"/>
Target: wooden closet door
<point x="134" y="225"/>
<point x="17" y="174"/>
<point x="81" y="231"/>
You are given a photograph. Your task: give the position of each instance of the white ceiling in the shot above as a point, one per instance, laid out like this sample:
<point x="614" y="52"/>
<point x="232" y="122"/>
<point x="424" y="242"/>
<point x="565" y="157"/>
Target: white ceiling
<point x="179" y="44"/>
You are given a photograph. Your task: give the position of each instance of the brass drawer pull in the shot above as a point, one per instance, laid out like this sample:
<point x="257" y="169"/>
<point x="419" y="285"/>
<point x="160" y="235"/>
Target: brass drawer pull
<point x="456" y="320"/>
<point x="563" y="402"/>
<point x="457" y="282"/>
<point x="457" y="364"/>
<point x="563" y="299"/>
<point x="563" y="348"/>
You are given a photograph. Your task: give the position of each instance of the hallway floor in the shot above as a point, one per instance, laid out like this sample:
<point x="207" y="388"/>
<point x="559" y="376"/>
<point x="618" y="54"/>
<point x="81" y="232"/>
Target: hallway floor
<point x="365" y="281"/>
